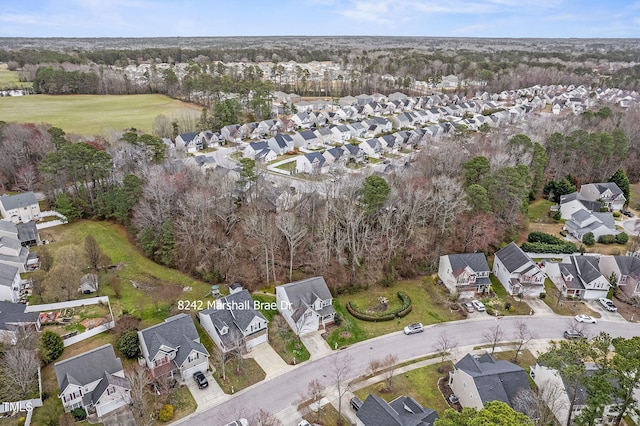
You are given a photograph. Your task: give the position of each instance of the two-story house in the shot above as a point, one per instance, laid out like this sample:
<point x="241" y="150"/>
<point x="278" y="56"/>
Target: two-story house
<point x="517" y="273"/>
<point x="581" y="278"/>
<point x="608" y="192"/>
<point x="234" y="323"/>
<point x="306" y="304"/>
<point x="465" y="274"/>
<point x="13" y="316"/>
<point x="10" y="283"/>
<point x="173" y="346"/>
<point x="402" y="411"/>
<point x="625" y="271"/>
<point x="476" y="380"/>
<point x="93" y="380"/>
<point x="20" y="207"/>
<point x="598" y="223"/>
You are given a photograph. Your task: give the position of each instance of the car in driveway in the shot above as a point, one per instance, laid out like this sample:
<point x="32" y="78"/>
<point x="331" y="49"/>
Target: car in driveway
<point x="627" y="213"/>
<point x="201" y="381"/>
<point x="467" y="307"/>
<point x="607" y="304"/>
<point x="586" y="319"/>
<point x="574" y="334"/>
<point x="478" y="305"/>
<point x="355" y="403"/>
<point x="414" y="328"/>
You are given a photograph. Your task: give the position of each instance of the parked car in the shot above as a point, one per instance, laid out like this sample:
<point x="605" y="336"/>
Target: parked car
<point x="467" y="306"/>
<point x="239" y="422"/>
<point x="200" y="380"/>
<point x="586" y="318"/>
<point x="478" y="305"/>
<point x="574" y="334"/>
<point x="453" y="399"/>
<point x="627" y="213"/>
<point x="607" y="304"/>
<point x="304" y="423"/>
<point x="414" y="328"/>
<point x="355" y="403"/>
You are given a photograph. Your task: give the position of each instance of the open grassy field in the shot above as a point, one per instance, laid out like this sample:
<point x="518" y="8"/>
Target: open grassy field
<point x="90" y="115"/>
<point x="9" y="79"/>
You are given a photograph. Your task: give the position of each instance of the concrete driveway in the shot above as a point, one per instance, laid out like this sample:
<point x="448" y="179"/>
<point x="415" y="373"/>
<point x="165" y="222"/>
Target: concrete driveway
<point x="606" y="315"/>
<point x="316" y="345"/>
<point x="207" y="395"/>
<point x="269" y="360"/>
<point x="123" y="416"/>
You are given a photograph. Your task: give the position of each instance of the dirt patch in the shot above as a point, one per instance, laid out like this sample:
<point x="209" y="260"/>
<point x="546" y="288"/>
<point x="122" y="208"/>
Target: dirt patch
<point x="629" y="312"/>
<point x="344" y="334"/>
<point x="90" y="323"/>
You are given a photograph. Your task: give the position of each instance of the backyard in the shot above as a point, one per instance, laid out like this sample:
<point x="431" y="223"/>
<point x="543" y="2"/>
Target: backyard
<point x="429" y="301"/>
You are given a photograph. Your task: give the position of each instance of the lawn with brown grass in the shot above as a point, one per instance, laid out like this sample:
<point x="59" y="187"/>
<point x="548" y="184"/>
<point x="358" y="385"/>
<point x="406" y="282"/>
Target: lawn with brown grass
<point x="236" y="379"/>
<point x="563" y="306"/>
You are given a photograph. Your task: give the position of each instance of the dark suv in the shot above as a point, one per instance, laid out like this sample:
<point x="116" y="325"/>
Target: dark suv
<point x="200" y="380"/>
<point x="573" y="334"/>
<point x="356" y="403"/>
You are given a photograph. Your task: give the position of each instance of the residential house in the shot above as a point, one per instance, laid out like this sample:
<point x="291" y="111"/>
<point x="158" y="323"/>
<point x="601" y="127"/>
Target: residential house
<point x="302" y="120"/>
<point x="204" y="163"/>
<point x="347" y="101"/>
<point x="583" y="222"/>
<point x="364" y="99"/>
<point x="259" y="151"/>
<point x="390" y="143"/>
<point x="26" y="233"/>
<point x="581" y="278"/>
<point x="397" y="96"/>
<point x="517" y="273"/>
<point x="335" y="155"/>
<point x="625" y="271"/>
<point x="378" y="125"/>
<point x="88" y="284"/>
<point x="94" y="381"/>
<point x="607" y="192"/>
<point x="209" y="139"/>
<point x="402" y="411"/>
<point x="281" y="143"/>
<point x="231" y="133"/>
<point x="372" y="148"/>
<point x="571" y="203"/>
<point x="476" y="380"/>
<point x="233" y="322"/>
<point x="265" y="128"/>
<point x="325" y="135"/>
<point x="285" y="125"/>
<point x="354" y="153"/>
<point x="188" y="142"/>
<point x="465" y="274"/>
<point x="358" y="130"/>
<point x="561" y="393"/>
<point x="341" y="134"/>
<point x="14" y="254"/>
<point x="305" y="305"/>
<point x="247" y="130"/>
<point x="173" y="346"/>
<point x="306" y="139"/>
<point x="20" y="207"/>
<point x="312" y="163"/>
<point x="13" y="316"/>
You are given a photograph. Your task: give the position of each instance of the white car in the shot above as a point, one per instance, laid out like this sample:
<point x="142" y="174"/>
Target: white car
<point x="414" y="328"/>
<point x="607" y="304"/>
<point x="478" y="305"/>
<point x="586" y="318"/>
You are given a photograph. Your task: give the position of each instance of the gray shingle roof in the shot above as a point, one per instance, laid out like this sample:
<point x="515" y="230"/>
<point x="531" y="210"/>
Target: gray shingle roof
<point x="173" y="332"/>
<point x="304" y="293"/>
<point x="87" y="367"/>
<point x="628" y="265"/>
<point x="402" y="411"/>
<point x="10" y="202"/>
<point x="496" y="380"/>
<point x="512" y="257"/>
<point x="7" y="274"/>
<point x="108" y="379"/>
<point x="14" y="313"/>
<point x="27" y="231"/>
<point x="587" y="267"/>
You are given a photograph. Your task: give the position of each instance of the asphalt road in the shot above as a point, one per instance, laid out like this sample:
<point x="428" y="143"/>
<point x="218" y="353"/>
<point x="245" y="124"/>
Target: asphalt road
<point x="287" y="389"/>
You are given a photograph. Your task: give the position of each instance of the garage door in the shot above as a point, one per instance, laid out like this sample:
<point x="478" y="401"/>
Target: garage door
<point x="258" y="340"/>
<point x="188" y="373"/>
<point x="104" y="408"/>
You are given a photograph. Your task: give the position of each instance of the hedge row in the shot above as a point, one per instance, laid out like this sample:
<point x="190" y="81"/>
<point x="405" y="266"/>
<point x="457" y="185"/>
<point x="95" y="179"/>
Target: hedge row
<point x="382" y="316"/>
<point x="621" y="238"/>
<point x="565" y="247"/>
<point x="542" y="237"/>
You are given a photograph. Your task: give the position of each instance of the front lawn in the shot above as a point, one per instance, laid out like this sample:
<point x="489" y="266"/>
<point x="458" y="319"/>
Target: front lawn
<point x="562" y="306"/>
<point x="501" y="298"/>
<point x="429" y="301"/>
<point x="249" y="374"/>
<point x="525" y="359"/>
<point x="328" y="414"/>
<point x="183" y="403"/>
<point x="539" y="211"/>
<point x="421" y="384"/>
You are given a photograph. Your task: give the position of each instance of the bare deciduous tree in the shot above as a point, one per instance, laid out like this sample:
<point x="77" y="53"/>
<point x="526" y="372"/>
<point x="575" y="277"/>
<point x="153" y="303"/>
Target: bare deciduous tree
<point x="492" y="336"/>
<point x="522" y="336"/>
<point x="389" y="364"/>
<point x="20" y="371"/>
<point x="92" y="250"/>
<point x="26" y="177"/>
<point x="541" y="404"/>
<point x="340" y="376"/>
<point x="445" y="346"/>
<point x="293" y="231"/>
<point x="315" y="392"/>
<point x="264" y="418"/>
<point x="139" y="380"/>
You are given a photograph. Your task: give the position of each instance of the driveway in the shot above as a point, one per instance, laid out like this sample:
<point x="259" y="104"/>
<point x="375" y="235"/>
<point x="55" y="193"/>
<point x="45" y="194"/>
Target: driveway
<point x="121" y="417"/>
<point x="269" y="360"/>
<point x="316" y="345"/>
<point x="606" y="315"/>
<point x="207" y="395"/>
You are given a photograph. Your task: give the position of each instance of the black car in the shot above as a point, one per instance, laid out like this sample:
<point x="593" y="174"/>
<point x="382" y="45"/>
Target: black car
<point x="627" y="213"/>
<point x="200" y="380"/>
<point x="356" y="403"/>
<point x="573" y="334"/>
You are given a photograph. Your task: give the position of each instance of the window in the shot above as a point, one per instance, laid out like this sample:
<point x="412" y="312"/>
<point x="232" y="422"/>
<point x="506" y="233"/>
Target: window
<point x="194" y="356"/>
<point x="111" y="390"/>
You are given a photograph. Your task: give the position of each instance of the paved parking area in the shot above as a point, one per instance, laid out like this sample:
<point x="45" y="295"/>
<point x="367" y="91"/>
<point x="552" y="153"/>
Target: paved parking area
<point x="269" y="360"/>
<point x="606" y="315"/>
<point x="208" y="394"/>
<point x="316" y="345"/>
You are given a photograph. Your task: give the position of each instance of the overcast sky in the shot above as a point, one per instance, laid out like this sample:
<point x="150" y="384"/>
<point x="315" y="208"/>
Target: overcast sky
<point x="453" y="18"/>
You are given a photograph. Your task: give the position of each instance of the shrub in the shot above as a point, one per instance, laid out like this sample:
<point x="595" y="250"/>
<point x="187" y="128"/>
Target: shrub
<point x="542" y="237"/>
<point x="367" y="315"/>
<point x="51" y="346"/>
<point x="564" y="247"/>
<point x="127" y="343"/>
<point x="558" y="215"/>
<point x="589" y="239"/>
<point x="79" y="413"/>
<point x="166" y="413"/>
<point x="622" y="238"/>
<point x="616" y="214"/>
<point x="607" y="239"/>
<point x="543" y="295"/>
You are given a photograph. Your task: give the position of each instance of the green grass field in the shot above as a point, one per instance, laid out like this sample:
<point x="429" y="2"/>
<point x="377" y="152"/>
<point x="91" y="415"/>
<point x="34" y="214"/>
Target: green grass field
<point x="90" y="115"/>
<point x="9" y="79"/>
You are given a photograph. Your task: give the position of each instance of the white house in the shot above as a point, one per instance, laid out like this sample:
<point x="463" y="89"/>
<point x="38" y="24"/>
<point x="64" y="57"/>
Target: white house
<point x="94" y="381"/>
<point x="281" y="143"/>
<point x="305" y="305"/>
<point x="610" y="194"/>
<point x="173" y="346"/>
<point x="625" y="270"/>
<point x="583" y="222"/>
<point x="312" y="163"/>
<point x="465" y="274"/>
<point x="517" y="273"/>
<point x="259" y="151"/>
<point x="20" y="207"/>
<point x="233" y="322"/>
<point x="581" y="277"/>
<point x="10" y="283"/>
<point x="571" y="203"/>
